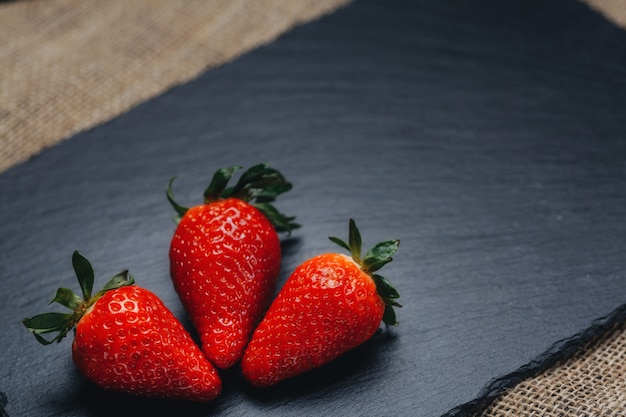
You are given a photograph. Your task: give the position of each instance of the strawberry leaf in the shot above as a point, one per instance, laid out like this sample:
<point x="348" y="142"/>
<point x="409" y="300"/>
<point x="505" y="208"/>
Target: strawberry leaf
<point x="391" y="302"/>
<point x="259" y="185"/>
<point x="374" y="264"/>
<point x="389" y="316"/>
<point x="253" y="178"/>
<point x="375" y="258"/>
<point x="120" y="280"/>
<point x="354" y="241"/>
<point x="270" y="192"/>
<point x="340" y="242"/>
<point x="384" y="287"/>
<point x="47" y="322"/>
<point x="84" y="273"/>
<point x="64" y="322"/>
<point x="218" y="183"/>
<point x="180" y="210"/>
<point x="67" y="298"/>
<point x="380" y="254"/>
<point x="383" y="249"/>
<point x="280" y="222"/>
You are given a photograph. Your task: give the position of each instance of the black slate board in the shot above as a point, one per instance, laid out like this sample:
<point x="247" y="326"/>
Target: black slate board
<point x="489" y="136"/>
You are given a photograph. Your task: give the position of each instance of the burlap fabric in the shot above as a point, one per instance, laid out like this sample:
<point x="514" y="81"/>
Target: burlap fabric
<point x="68" y="65"/>
<point x="613" y="10"/>
<point x="582" y="376"/>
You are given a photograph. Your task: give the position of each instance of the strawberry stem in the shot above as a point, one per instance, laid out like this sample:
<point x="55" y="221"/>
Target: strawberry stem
<point x="62" y="323"/>
<point x="258" y="186"/>
<point x="375" y="258"/>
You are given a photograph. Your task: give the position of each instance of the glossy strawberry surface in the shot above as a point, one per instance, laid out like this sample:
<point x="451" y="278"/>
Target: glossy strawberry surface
<point x="129" y="341"/>
<point x="328" y="306"/>
<point x="225" y="259"/>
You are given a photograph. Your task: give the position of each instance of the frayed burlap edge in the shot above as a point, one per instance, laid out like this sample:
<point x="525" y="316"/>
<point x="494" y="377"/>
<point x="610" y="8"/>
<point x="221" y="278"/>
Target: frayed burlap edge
<point x="68" y="65"/>
<point x="584" y="375"/>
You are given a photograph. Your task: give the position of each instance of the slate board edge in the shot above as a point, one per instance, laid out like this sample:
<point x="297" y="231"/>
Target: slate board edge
<point x="558" y="352"/>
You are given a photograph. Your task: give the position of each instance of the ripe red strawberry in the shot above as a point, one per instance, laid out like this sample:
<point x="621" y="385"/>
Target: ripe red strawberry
<point x="329" y="305"/>
<point x="225" y="258"/>
<point x="127" y="340"/>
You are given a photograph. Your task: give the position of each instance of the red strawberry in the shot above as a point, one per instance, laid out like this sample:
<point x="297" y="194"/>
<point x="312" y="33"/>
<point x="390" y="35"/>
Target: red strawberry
<point x="328" y="306"/>
<point x="225" y="258"/>
<point x="127" y="340"/>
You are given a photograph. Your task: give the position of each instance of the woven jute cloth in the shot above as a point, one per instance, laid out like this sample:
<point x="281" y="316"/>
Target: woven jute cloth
<point x="590" y="382"/>
<point x="613" y="10"/>
<point x="67" y="65"/>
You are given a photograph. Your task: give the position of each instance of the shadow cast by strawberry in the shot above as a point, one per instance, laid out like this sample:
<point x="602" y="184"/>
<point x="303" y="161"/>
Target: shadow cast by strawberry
<point x="364" y="359"/>
<point x="289" y="247"/>
<point x="3" y="403"/>
<point x="100" y="403"/>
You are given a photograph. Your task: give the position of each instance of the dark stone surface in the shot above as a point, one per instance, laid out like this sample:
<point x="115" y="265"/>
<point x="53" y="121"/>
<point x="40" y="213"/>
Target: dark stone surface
<point x="489" y="136"/>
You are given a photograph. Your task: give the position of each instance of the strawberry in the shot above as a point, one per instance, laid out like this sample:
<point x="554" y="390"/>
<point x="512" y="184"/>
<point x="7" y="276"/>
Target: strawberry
<point x="127" y="340"/>
<point x="225" y="257"/>
<point x="329" y="305"/>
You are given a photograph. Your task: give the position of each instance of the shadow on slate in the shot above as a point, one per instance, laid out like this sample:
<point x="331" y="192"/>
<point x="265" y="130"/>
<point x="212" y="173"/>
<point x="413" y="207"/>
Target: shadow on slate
<point x="488" y="136"/>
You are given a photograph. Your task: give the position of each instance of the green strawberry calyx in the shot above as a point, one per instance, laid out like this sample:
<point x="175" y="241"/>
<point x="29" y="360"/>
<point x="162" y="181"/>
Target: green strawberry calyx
<point x="259" y="186"/>
<point x="62" y="323"/>
<point x="375" y="258"/>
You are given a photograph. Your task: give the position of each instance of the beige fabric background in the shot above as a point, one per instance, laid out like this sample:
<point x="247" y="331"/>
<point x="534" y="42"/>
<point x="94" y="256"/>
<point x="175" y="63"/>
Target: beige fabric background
<point x="68" y="65"/>
<point x="613" y="10"/>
